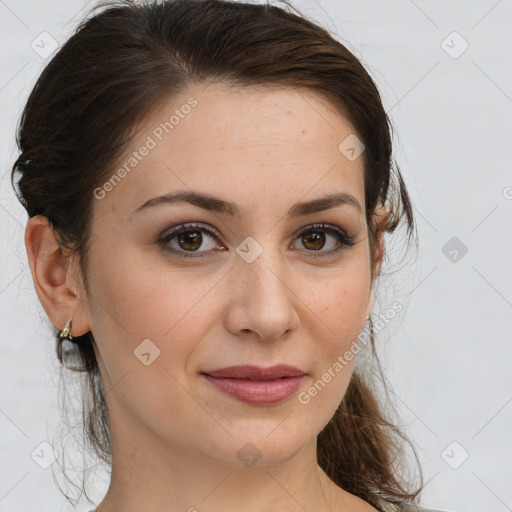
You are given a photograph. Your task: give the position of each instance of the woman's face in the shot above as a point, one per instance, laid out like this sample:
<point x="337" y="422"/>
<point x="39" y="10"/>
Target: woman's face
<point x="261" y="286"/>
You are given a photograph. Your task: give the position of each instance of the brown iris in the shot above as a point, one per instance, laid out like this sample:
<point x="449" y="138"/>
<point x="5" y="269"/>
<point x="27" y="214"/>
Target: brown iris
<point x="314" y="238"/>
<point x="191" y="238"/>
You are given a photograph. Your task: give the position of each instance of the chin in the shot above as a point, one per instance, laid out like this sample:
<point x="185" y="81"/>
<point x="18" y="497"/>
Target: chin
<point x="257" y="447"/>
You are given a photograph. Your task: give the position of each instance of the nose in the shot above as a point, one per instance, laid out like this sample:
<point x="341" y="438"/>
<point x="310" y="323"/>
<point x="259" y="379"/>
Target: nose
<point x="262" y="299"/>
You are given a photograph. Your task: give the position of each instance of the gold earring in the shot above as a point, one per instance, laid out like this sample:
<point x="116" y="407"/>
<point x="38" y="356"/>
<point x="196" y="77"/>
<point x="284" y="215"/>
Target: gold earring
<point x="66" y="332"/>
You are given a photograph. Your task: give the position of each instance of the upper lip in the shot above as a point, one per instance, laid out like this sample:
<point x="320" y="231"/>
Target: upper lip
<point x="256" y="372"/>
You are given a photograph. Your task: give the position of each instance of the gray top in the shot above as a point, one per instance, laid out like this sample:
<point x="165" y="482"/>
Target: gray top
<point x="389" y="507"/>
<point x="393" y="508"/>
<point x="414" y="508"/>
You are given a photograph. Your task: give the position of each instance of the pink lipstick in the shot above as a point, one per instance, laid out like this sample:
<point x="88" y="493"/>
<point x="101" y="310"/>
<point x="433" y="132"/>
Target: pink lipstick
<point x="256" y="385"/>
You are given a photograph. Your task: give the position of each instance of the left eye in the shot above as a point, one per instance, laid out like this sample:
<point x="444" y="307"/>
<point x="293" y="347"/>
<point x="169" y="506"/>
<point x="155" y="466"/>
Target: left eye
<point x="188" y="238"/>
<point x="315" y="239"/>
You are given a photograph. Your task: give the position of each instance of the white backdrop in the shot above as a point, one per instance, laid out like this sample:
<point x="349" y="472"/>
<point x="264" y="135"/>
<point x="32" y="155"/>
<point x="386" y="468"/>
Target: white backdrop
<point x="444" y="72"/>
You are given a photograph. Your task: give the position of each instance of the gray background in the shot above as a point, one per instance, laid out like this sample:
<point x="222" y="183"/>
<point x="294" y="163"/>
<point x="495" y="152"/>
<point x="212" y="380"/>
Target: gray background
<point x="447" y="357"/>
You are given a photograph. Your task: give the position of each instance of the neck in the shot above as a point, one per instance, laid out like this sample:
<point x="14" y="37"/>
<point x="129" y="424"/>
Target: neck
<point x="149" y="474"/>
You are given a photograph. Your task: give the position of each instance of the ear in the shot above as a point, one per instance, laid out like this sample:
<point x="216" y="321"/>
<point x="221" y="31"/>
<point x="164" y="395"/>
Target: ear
<point x="54" y="276"/>
<point x="369" y="305"/>
<point x="380" y="218"/>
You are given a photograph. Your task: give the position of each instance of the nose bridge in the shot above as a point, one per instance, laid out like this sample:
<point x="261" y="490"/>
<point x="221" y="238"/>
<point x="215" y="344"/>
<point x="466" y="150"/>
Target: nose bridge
<point x="264" y="301"/>
<point x="266" y="275"/>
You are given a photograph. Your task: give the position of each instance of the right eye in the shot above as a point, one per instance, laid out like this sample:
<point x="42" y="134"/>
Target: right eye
<point x="187" y="239"/>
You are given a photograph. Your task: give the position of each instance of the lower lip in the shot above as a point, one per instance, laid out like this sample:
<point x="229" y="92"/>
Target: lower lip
<point x="262" y="392"/>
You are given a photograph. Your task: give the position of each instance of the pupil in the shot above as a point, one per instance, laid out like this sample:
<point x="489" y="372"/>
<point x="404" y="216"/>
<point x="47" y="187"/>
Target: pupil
<point x="192" y="238"/>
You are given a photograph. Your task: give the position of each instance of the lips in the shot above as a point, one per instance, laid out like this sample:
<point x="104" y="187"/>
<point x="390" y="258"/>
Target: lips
<point x="250" y="372"/>
<point x="256" y="385"/>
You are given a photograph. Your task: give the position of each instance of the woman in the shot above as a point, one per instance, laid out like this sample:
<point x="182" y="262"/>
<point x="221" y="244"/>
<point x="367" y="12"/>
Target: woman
<point x="208" y="186"/>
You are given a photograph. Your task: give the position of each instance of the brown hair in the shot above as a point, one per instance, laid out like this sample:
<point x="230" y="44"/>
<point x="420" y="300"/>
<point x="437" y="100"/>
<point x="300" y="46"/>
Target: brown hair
<point x="122" y="62"/>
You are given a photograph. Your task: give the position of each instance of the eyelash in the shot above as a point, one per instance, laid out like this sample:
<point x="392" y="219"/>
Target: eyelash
<point x="346" y="241"/>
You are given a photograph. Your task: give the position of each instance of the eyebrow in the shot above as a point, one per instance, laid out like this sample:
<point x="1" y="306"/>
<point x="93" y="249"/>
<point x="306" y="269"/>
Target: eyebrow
<point x="214" y="204"/>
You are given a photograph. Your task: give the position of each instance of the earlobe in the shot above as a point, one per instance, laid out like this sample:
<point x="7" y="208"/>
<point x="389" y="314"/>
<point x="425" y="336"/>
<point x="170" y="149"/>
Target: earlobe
<point x="55" y="285"/>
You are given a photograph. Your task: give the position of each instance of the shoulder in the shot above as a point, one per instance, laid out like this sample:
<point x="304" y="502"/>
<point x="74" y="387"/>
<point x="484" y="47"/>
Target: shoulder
<point x="386" y="506"/>
<point x="416" y="508"/>
<point x="413" y="508"/>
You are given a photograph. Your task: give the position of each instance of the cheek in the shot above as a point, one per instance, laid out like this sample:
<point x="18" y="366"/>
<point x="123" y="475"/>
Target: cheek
<point x="334" y="332"/>
<point x="339" y="306"/>
<point x="133" y="302"/>
<point x="344" y="313"/>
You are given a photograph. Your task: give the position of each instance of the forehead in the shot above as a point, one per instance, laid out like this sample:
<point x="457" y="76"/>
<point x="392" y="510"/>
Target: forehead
<point x="235" y="115"/>
<point x="240" y="143"/>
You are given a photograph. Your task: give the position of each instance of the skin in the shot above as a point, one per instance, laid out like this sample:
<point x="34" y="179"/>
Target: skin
<point x="175" y="436"/>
